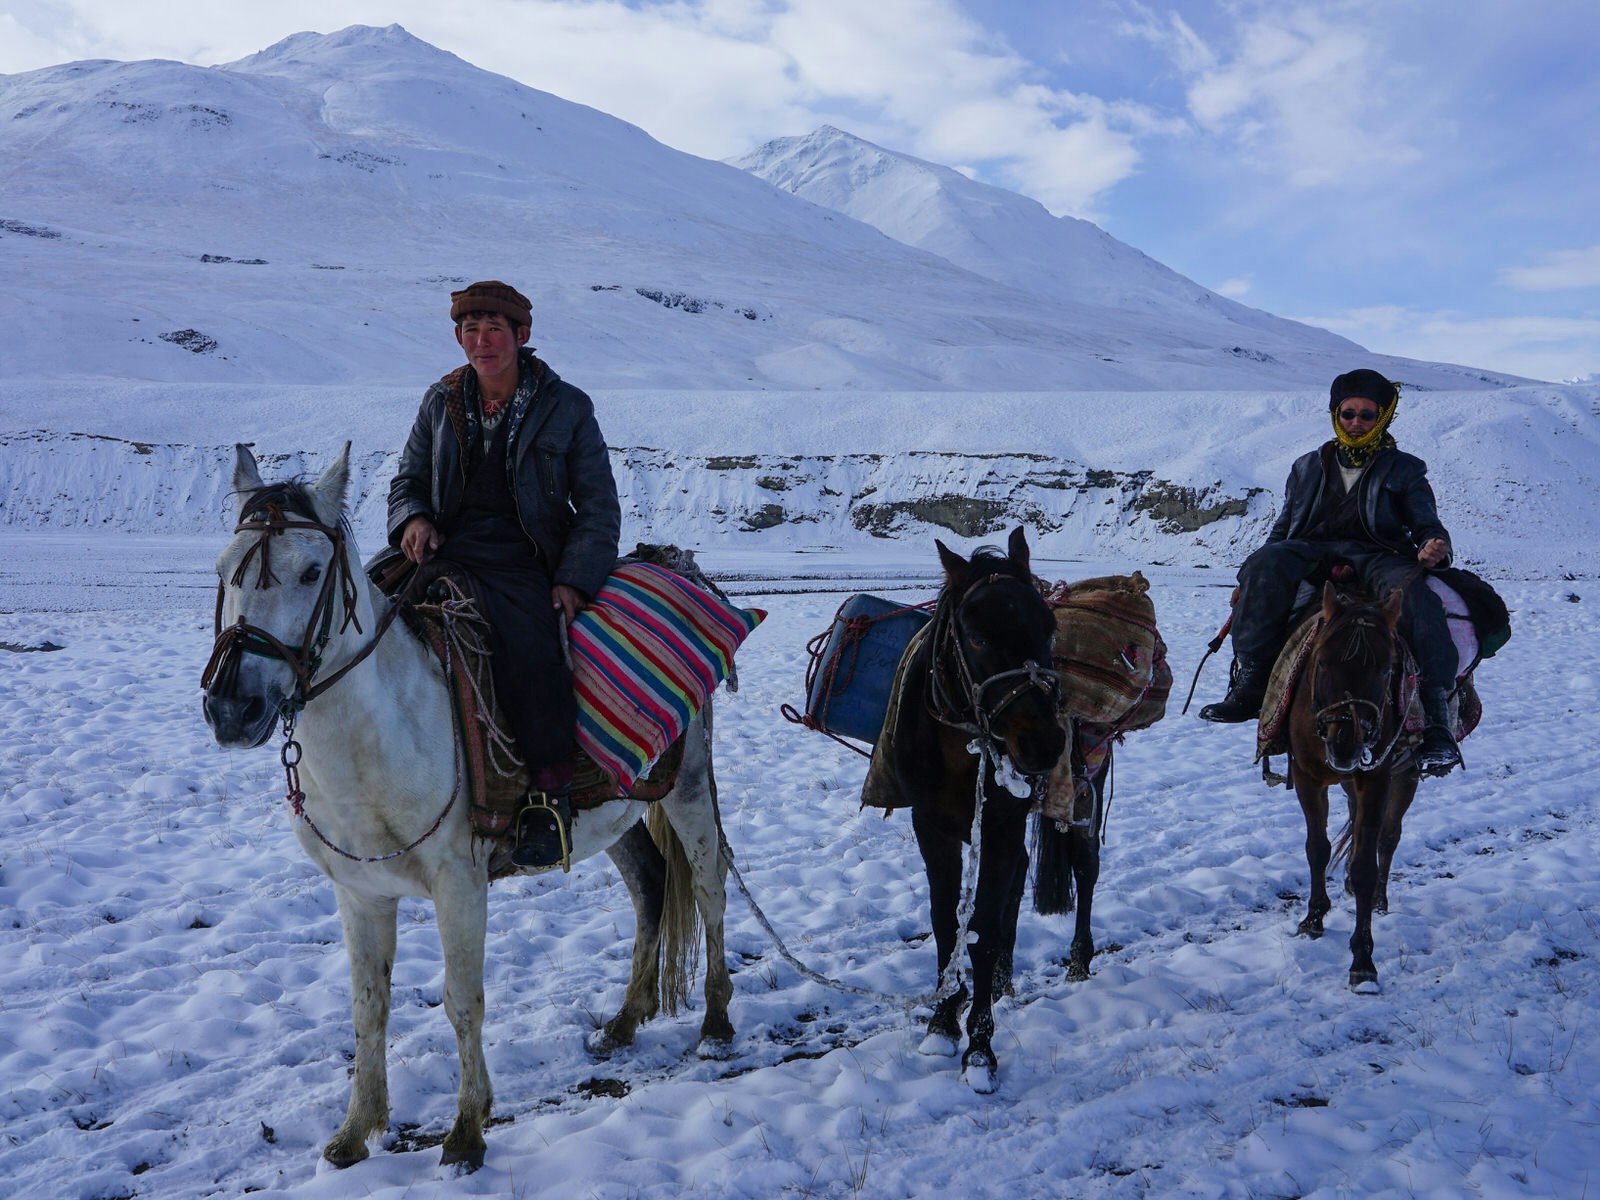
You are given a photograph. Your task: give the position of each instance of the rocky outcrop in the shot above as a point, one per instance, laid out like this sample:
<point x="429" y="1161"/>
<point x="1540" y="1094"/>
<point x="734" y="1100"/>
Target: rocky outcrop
<point x="65" y="481"/>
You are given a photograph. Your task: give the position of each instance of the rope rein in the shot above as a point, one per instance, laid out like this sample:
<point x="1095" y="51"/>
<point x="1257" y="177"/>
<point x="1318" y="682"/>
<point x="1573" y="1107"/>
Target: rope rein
<point x="951" y="978"/>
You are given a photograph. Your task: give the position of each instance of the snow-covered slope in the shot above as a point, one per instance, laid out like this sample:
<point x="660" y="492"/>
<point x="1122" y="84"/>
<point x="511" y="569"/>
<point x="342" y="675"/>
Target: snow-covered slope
<point x="300" y="215"/>
<point x="1188" y="479"/>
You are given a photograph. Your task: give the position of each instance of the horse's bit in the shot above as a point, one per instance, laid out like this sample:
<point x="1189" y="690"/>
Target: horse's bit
<point x="1348" y="711"/>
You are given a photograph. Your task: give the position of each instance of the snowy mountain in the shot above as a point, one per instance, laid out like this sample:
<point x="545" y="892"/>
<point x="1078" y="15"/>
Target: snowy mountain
<point x="262" y="252"/>
<point x="1015" y="241"/>
<point x="299" y="216"/>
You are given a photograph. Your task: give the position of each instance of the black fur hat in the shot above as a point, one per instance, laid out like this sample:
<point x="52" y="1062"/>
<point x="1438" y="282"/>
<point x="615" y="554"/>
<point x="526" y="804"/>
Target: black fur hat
<point x="1363" y="382"/>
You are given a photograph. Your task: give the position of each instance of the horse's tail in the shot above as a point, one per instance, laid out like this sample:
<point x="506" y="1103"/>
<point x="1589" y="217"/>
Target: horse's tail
<point x="1347" y="837"/>
<point x="1052" y="867"/>
<point x="680" y="916"/>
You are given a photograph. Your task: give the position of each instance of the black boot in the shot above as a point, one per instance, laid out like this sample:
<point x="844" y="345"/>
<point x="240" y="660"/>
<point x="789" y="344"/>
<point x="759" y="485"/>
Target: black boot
<point x="544" y="831"/>
<point x="1438" y="754"/>
<point x="1247" y="687"/>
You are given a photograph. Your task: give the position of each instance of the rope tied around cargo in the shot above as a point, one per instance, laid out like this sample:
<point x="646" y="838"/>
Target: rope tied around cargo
<point x="835" y="675"/>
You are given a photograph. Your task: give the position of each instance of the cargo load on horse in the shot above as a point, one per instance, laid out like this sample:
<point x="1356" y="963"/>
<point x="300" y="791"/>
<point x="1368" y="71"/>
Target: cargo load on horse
<point x="975" y="678"/>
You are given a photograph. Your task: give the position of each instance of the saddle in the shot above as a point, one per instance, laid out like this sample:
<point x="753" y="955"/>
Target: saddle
<point x="1466" y="709"/>
<point x="645" y="767"/>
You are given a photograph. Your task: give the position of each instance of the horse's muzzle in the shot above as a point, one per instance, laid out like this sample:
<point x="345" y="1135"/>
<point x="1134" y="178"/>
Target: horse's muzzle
<point x="240" y="722"/>
<point x="1036" y="751"/>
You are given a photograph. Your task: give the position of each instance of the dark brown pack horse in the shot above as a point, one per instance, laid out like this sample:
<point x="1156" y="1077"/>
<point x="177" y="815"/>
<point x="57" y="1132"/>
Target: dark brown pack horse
<point x="1346" y="726"/>
<point x="982" y="676"/>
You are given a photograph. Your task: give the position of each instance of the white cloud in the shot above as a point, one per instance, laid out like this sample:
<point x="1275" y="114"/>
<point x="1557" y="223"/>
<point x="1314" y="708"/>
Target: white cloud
<point x="1552" y="348"/>
<point x="1559" y="270"/>
<point x="1295" y="92"/>
<point x="1234" y="289"/>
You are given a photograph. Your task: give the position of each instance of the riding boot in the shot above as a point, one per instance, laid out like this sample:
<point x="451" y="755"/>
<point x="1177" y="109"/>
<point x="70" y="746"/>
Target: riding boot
<point x="1247" y="687"/>
<point x="1438" y="754"/>
<point x="544" y="831"/>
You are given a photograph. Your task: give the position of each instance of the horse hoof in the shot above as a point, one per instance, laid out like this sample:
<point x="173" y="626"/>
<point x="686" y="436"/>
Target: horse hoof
<point x="938" y="1045"/>
<point x="1365" y="983"/>
<point x="1309" y="928"/>
<point x="464" y="1161"/>
<point x="601" y="1044"/>
<point x="715" y="1048"/>
<point x="343" y="1153"/>
<point x="1077" y="972"/>
<point x="981" y="1073"/>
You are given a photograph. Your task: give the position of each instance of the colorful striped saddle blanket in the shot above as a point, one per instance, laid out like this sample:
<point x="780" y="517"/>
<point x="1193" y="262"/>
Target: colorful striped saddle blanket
<point x="646" y="653"/>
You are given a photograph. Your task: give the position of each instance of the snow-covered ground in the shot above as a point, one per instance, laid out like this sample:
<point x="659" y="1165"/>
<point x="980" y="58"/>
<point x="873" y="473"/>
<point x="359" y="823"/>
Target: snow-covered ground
<point x="176" y="998"/>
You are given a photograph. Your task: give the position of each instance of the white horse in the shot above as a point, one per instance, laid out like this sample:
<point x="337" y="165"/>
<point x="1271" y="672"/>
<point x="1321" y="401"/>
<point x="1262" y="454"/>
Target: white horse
<point x="378" y="765"/>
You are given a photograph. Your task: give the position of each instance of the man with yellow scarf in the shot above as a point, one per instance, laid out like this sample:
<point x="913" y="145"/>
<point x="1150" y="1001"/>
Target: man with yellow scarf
<point x="1359" y="499"/>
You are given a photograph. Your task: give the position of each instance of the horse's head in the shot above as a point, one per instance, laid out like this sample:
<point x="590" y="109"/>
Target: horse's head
<point x="1353" y="664"/>
<point x="285" y="591"/>
<point x="995" y="644"/>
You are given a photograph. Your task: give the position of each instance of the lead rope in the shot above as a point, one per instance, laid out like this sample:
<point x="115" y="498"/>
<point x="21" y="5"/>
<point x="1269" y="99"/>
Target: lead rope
<point x="950" y="979"/>
<point x="290" y="756"/>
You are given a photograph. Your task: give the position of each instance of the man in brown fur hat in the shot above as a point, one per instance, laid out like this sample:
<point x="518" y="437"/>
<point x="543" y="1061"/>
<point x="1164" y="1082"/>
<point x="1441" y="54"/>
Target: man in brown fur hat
<point x="506" y="479"/>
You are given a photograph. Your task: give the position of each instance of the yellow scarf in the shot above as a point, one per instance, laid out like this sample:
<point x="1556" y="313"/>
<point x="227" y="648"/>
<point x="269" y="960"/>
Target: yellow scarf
<point x="1357" y="451"/>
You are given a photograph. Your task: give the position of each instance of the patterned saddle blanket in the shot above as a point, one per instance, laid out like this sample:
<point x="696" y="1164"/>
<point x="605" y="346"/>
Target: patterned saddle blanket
<point x="1466" y="710"/>
<point x="646" y="655"/>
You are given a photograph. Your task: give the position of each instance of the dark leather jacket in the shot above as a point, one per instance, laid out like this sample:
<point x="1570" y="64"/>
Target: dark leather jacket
<point x="561" y="479"/>
<point x="1396" y="504"/>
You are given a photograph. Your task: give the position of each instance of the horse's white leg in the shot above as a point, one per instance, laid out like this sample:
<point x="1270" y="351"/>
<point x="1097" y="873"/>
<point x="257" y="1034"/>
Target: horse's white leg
<point x="461" y="905"/>
<point x="692" y="811"/>
<point x="369" y="936"/>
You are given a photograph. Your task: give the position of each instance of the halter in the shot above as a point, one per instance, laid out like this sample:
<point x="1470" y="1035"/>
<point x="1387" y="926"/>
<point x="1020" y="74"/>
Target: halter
<point x="305" y="659"/>
<point x="950" y="709"/>
<point x="242" y="638"/>
<point x="1348" y="709"/>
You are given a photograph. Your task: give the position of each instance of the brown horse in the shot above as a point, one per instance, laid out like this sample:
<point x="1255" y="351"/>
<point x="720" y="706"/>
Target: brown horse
<point x="978" y="696"/>
<point x="1345" y="726"/>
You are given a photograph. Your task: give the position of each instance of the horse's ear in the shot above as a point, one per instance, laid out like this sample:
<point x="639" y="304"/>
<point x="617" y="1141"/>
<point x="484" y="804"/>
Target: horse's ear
<point x="1018" y="548"/>
<point x="1330" y="600"/>
<point x="246" y="475"/>
<point x="952" y="562"/>
<point x="327" y="495"/>
<point x="1391" y="607"/>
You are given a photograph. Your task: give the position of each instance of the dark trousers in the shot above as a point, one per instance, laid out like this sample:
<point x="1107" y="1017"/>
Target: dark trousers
<point x="1270" y="577"/>
<point x="531" y="679"/>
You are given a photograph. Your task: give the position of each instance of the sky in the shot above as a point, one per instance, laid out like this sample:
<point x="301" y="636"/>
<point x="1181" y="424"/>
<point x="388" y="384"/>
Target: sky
<point x="1420" y="176"/>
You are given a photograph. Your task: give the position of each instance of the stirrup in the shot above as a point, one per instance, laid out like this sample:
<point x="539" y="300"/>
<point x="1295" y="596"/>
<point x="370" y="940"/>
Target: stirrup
<point x="548" y="847"/>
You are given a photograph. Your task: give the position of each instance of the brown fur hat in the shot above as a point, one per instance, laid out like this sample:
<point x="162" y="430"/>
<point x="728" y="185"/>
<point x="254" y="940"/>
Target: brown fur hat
<point x="492" y="296"/>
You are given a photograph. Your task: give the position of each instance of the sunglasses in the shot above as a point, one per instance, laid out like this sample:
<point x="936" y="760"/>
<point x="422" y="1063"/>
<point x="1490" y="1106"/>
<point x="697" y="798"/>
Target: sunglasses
<point x="1358" y="414"/>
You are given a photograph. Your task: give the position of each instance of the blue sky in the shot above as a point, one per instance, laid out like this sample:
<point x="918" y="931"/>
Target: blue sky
<point x="1420" y="175"/>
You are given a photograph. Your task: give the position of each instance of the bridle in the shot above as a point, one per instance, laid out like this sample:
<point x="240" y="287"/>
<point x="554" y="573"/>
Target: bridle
<point x="266" y="517"/>
<point x="969" y="705"/>
<point x="1348" y="710"/>
<point x="241" y="638"/>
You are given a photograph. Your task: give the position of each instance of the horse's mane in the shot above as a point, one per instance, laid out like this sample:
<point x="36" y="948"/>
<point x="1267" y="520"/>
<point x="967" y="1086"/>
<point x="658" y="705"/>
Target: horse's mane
<point x="990" y="560"/>
<point x="1361" y="623"/>
<point x="289" y="497"/>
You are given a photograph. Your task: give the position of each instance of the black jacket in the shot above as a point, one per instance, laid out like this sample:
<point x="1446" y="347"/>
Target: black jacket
<point x="561" y="477"/>
<point x="1395" y="502"/>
